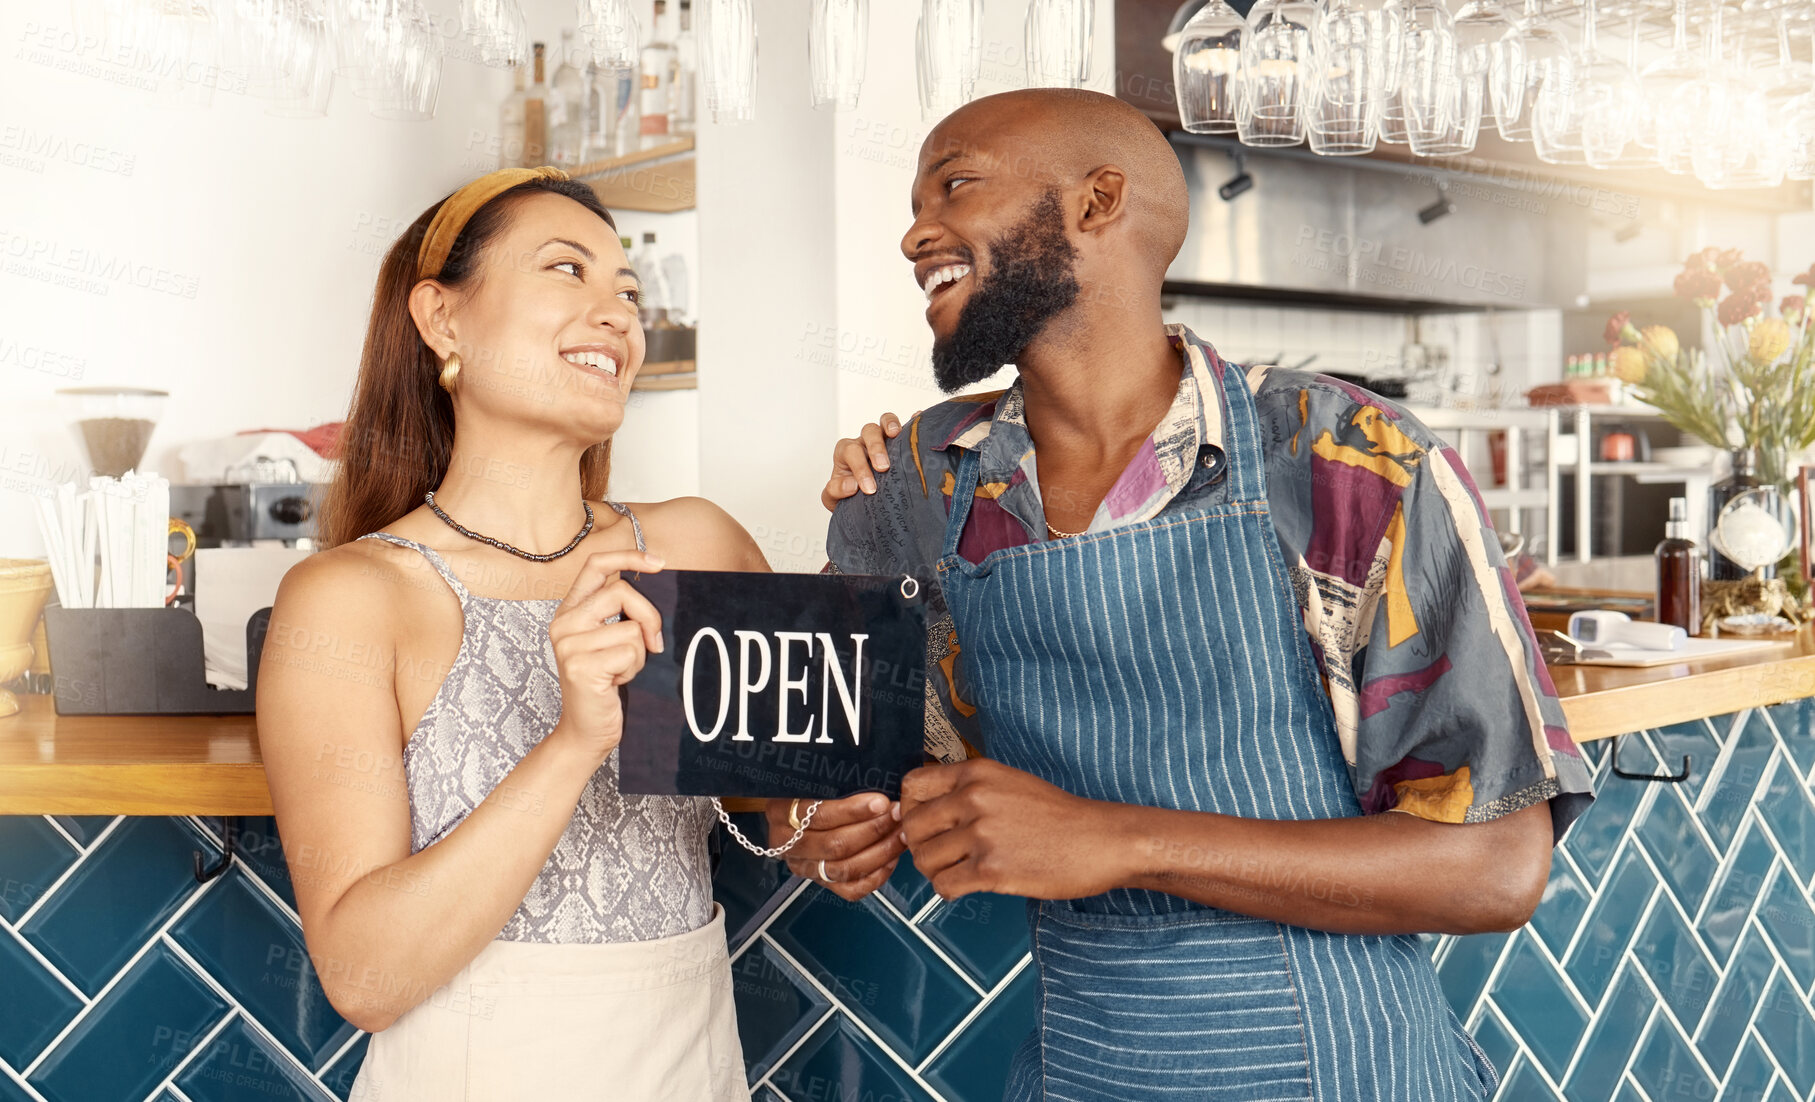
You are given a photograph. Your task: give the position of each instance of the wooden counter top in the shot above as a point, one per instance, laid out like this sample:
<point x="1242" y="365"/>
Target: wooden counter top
<point x="1604" y="701"/>
<point x="209" y="765"/>
<point x="128" y="765"/>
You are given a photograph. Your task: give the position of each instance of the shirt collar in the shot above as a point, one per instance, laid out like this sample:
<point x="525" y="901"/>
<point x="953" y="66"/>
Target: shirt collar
<point x="1194" y="419"/>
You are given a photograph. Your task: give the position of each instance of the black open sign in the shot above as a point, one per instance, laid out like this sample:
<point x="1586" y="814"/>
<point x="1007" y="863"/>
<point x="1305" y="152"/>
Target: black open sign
<point x="777" y="685"/>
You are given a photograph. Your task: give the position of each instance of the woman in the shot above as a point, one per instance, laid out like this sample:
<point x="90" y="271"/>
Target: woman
<point x="439" y="692"/>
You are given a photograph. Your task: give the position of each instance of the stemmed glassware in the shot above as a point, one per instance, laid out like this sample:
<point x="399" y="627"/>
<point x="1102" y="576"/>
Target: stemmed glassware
<point x="838" y="42"/>
<point x="1058" y="34"/>
<point x="1799" y="129"/>
<point x="948" y="53"/>
<point x="610" y="30"/>
<point x="1608" y="109"/>
<point x="497" y="30"/>
<point x="1277" y="61"/>
<point x="1543" y="57"/>
<point x="727" y="55"/>
<point x="1204" y="66"/>
<point x="1440" y="99"/>
<point x="1490" y="50"/>
<point x="1343" y="103"/>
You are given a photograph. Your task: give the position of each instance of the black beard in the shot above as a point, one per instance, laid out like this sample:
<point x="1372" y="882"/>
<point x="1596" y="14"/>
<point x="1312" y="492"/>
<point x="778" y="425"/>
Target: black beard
<point x="1031" y="279"/>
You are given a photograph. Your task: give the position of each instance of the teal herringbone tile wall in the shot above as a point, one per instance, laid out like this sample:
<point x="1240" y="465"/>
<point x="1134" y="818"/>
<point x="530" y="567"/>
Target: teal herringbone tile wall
<point x="1673" y="957"/>
<point x="1674" y="952"/>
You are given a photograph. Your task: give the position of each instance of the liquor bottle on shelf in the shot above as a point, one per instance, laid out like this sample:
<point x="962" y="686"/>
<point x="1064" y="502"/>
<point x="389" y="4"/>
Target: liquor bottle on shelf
<point x="1679" y="572"/>
<point x="566" y="109"/>
<point x="658" y="68"/>
<point x="601" y="111"/>
<point x="511" y="122"/>
<point x="683" y="117"/>
<point x="652" y="309"/>
<point x="535" y="115"/>
<point x="619" y="93"/>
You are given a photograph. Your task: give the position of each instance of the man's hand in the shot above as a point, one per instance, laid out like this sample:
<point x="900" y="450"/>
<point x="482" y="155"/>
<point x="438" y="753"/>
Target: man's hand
<point x="856" y="459"/>
<point x="858" y="839"/>
<point x="981" y="826"/>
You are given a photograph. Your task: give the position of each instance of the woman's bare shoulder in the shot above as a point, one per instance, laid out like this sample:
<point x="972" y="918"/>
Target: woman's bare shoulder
<point x="361" y="580"/>
<point x="693" y="533"/>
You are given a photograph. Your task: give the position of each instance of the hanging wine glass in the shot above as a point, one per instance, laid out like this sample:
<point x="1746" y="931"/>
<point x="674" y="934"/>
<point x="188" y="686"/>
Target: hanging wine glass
<point x="407" y="56"/>
<point x="1205" y="62"/>
<point x="1751" y="152"/>
<point x="1700" y="110"/>
<point x="1660" y="81"/>
<point x="1799" y="128"/>
<point x="1489" y="49"/>
<point x="175" y="43"/>
<point x="727" y="55"/>
<point x="838" y="43"/>
<point x="1057" y="36"/>
<point x="1639" y="150"/>
<point x="1276" y="62"/>
<point x="1557" y="117"/>
<point x="610" y="30"/>
<point x="1386" y="22"/>
<point x="1343" y="104"/>
<point x="307" y="65"/>
<point x="497" y="30"/>
<point x="1544" y="55"/>
<point x="1441" y="101"/>
<point x="1609" y="101"/>
<point x="948" y="53"/>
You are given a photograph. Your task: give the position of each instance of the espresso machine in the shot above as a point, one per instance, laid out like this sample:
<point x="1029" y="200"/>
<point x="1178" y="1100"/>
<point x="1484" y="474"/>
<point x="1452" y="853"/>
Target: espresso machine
<point x="262" y="504"/>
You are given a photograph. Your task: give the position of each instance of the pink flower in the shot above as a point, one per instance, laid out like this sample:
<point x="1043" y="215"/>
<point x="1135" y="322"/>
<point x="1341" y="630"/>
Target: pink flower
<point x="1792" y="306"/>
<point x="1739" y="306"/>
<point x="1616" y="325"/>
<point x="1807" y="279"/>
<point x="1698" y="284"/>
<point x="1746" y="276"/>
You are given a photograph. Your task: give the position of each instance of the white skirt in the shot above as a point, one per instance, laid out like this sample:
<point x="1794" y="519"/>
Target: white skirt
<point x="646" y="1020"/>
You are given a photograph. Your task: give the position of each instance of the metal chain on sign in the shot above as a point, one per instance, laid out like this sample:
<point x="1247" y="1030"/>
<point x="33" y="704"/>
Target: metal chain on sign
<point x="772" y="851"/>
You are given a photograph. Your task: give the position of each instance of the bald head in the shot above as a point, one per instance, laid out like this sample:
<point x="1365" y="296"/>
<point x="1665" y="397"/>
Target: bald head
<point x="1059" y="136"/>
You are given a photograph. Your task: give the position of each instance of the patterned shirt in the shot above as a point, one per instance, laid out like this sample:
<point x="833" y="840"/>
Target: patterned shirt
<point x="1443" y="707"/>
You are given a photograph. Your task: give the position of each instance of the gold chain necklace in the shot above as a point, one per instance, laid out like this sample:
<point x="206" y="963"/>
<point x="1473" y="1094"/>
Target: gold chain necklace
<point x="1064" y="535"/>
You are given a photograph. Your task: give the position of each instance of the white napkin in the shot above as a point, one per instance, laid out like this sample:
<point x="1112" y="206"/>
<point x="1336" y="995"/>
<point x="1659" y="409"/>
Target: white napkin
<point x="231" y="583"/>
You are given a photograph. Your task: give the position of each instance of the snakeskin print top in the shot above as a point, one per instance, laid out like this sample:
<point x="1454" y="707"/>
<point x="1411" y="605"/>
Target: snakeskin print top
<point x="627" y="868"/>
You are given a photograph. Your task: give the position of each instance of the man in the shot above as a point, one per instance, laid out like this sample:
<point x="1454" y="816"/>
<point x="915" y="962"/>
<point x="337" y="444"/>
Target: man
<point x="1208" y="625"/>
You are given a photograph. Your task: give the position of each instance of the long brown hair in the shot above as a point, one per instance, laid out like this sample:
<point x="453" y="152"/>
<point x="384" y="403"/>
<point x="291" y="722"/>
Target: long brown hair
<point x="399" y="433"/>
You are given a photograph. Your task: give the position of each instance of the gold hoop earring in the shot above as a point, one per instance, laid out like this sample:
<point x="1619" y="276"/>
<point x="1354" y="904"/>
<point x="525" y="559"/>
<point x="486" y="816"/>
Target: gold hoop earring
<point x="450" y="370"/>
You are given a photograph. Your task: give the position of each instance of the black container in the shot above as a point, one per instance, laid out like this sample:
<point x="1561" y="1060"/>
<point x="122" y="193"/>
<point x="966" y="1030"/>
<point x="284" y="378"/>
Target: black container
<point x="141" y="661"/>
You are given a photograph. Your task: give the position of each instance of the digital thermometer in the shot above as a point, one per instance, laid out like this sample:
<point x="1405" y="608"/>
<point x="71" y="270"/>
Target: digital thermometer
<point x="1601" y="629"/>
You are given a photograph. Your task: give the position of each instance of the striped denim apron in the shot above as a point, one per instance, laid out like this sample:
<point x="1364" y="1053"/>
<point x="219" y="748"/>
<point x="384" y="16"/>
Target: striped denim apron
<point x="1164" y="663"/>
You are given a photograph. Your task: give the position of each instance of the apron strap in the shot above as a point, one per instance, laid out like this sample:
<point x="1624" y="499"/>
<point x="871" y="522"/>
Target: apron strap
<point x="964" y="492"/>
<point x="1241" y="428"/>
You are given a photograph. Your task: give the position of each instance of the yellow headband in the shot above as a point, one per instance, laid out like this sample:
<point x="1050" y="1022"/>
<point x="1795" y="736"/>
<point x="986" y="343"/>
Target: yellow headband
<point x="445" y="227"/>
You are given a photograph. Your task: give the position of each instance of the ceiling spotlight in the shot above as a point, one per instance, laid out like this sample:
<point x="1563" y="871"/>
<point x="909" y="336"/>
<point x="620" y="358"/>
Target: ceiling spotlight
<point x="1237" y="183"/>
<point x="1437" y="210"/>
<point x="1628" y="232"/>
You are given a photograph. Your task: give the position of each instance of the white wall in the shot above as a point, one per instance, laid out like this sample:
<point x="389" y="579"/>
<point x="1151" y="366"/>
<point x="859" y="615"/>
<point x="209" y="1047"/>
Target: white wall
<point x="816" y="324"/>
<point x="269" y="231"/>
<point x="221" y="253"/>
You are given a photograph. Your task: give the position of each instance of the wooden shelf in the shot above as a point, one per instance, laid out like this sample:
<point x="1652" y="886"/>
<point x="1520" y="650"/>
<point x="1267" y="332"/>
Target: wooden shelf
<point x="659" y="179"/>
<point x="682" y="144"/>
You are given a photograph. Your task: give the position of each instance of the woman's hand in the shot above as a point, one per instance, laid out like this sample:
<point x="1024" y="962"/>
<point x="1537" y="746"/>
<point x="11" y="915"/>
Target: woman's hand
<point x="857" y="840"/>
<point x="596" y="657"/>
<point x="854" y="460"/>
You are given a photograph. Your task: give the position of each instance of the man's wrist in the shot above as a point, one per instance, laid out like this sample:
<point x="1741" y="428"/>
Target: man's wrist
<point x="1118" y="845"/>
